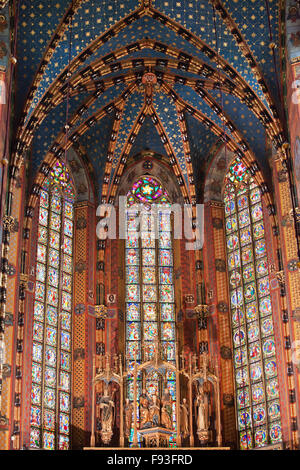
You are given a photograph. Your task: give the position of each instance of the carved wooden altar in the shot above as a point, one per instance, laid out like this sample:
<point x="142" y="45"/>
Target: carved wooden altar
<point x="195" y="374"/>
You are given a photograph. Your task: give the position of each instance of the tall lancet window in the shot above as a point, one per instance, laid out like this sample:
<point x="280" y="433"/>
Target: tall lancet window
<point x="257" y="392"/>
<point x="150" y="310"/>
<point x="52" y="320"/>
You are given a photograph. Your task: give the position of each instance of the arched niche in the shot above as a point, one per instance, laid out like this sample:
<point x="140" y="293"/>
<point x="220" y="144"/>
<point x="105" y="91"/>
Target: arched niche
<point x="215" y="177"/>
<point x="81" y="178"/>
<point x="149" y="165"/>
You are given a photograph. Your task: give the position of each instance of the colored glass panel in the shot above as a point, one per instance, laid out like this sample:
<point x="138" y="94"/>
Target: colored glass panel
<point x="274" y="410"/>
<point x="42" y="234"/>
<point x="35" y="416"/>
<point x="50" y="377"/>
<point x="54" y="239"/>
<point x="35" y="394"/>
<point x="167" y="312"/>
<point x="132" y="257"/>
<point x="149" y="293"/>
<point x="133" y="311"/>
<point x="51" y="336"/>
<point x="260" y="248"/>
<point x="250" y="292"/>
<point x="244" y="218"/>
<point x="35" y="438"/>
<point x="132" y="240"/>
<point x="65" y="320"/>
<point x="248" y="272"/>
<point x="132" y="293"/>
<point x="66" y="301"/>
<point x="265" y="307"/>
<point x="55" y="221"/>
<point x="251" y="312"/>
<point x="65" y="360"/>
<point x="231" y="224"/>
<point x="257" y="393"/>
<point x="246" y="440"/>
<point x="132" y="275"/>
<point x="245" y="236"/>
<point x="67" y="246"/>
<point x="256" y="212"/>
<point x="49" y="420"/>
<point x="148" y="257"/>
<point x="148" y="240"/>
<point x="43" y="217"/>
<point x="65" y="340"/>
<point x="149" y="311"/>
<point x="49" y="440"/>
<point x="38" y="330"/>
<point x="64" y="381"/>
<point x="49" y="398"/>
<point x="36" y="373"/>
<point x="243" y="399"/>
<point x="68" y="210"/>
<point x="133" y="331"/>
<point x="53" y="276"/>
<point x="267" y="326"/>
<point x="67" y="282"/>
<point x="44" y="199"/>
<point x="51" y="315"/>
<point x="64" y="442"/>
<point x="40" y="272"/>
<point x="52" y="296"/>
<point x="37" y="351"/>
<point x="39" y="291"/>
<point x="165" y="258"/>
<point x="232" y="242"/>
<point x="68" y="228"/>
<point x="64" y="423"/>
<point x="149" y="275"/>
<point x="54" y="258"/>
<point x="234" y="260"/>
<point x="263" y="286"/>
<point x="41" y="253"/>
<point x="238" y="317"/>
<point x="56" y="204"/>
<point x="166" y="293"/>
<point x="168" y="331"/>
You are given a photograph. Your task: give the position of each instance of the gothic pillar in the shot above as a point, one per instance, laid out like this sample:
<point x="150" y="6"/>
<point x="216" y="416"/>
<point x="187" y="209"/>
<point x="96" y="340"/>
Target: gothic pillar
<point x="84" y="323"/>
<point x="12" y="282"/>
<point x="288" y="277"/>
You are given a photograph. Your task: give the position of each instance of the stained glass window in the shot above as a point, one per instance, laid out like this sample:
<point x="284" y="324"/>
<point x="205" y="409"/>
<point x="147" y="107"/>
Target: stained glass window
<point x="51" y="349"/>
<point x="257" y="392"/>
<point x="150" y="312"/>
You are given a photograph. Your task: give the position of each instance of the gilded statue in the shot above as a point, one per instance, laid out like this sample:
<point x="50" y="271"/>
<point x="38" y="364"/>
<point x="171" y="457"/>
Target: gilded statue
<point x="128" y="417"/>
<point x="184" y="418"/>
<point x="107" y="414"/>
<point x="166" y="410"/>
<point x="154" y="411"/>
<point x="144" y="410"/>
<point x="202" y="410"/>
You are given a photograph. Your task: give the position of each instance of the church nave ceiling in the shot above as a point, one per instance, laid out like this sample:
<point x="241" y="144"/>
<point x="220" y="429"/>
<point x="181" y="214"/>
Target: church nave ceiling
<point x="82" y="73"/>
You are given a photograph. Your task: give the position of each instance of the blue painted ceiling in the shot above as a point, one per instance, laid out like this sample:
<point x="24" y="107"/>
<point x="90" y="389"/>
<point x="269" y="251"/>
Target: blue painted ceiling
<point x="182" y="29"/>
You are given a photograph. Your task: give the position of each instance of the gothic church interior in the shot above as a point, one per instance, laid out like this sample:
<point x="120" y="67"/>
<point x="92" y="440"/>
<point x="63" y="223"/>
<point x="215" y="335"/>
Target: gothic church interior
<point x="150" y="224"/>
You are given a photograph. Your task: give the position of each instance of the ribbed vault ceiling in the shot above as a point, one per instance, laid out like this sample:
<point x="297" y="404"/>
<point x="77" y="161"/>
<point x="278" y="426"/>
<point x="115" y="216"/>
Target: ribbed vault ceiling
<point x="177" y="77"/>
